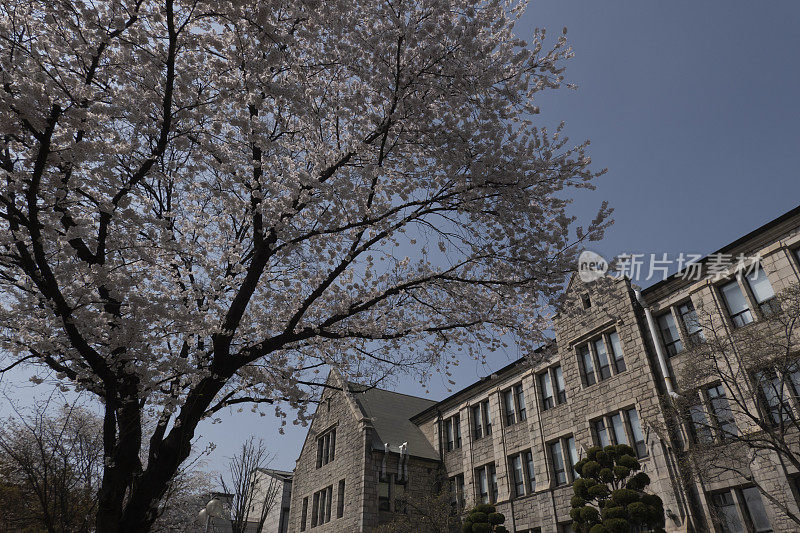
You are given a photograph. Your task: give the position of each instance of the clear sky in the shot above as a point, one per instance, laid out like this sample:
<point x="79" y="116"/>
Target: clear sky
<point x="692" y="106"/>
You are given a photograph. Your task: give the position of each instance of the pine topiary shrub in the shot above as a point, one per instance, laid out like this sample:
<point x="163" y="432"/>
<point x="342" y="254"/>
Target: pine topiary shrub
<point x="609" y="496"/>
<point x="484" y="518"/>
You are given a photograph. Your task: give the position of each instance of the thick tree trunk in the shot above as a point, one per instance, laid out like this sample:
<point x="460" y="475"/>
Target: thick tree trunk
<point x="129" y="497"/>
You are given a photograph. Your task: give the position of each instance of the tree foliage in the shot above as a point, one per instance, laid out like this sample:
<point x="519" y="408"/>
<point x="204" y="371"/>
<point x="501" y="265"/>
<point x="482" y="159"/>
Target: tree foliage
<point x="484" y="518"/>
<point x="204" y="203"/>
<point x="610" y="496"/>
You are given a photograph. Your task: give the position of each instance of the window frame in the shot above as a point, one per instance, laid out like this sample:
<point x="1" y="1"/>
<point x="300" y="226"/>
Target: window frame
<point x="619" y="359"/>
<point x="481" y="426"/>
<point x="527" y="476"/>
<point x="675" y="345"/>
<point x="340" y="500"/>
<point x="625" y="429"/>
<point x="452" y="430"/>
<point x="740" y="504"/>
<point x="734" y="318"/>
<point x="767" y="306"/>
<point x="489" y="473"/>
<point x="588" y="376"/>
<point x="605" y="364"/>
<point x="780" y="411"/>
<point x="457" y="495"/>
<point x="565" y="455"/>
<point x="509" y="407"/>
<point x="326" y="446"/>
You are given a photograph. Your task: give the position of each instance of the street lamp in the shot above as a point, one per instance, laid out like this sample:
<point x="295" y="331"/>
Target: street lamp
<point x="212" y="509"/>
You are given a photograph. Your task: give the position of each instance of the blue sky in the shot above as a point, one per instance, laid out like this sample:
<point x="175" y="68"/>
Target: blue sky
<point x="692" y="106"/>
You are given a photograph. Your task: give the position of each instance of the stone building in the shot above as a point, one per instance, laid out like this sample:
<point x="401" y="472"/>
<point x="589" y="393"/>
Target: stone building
<point x="275" y="487"/>
<point x="610" y="376"/>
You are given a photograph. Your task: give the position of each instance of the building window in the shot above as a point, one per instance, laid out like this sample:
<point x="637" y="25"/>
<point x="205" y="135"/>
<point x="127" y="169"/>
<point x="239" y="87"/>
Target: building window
<point x="587" y="365"/>
<point x="508" y="403"/>
<point x="691" y="324"/>
<point x="636" y="432"/>
<point x="452" y="428"/>
<point x="326" y="447"/>
<point x="548" y="378"/>
<point x="487" y="483"/>
<point x="740" y="510"/>
<point x="618" y="429"/>
<point x="727" y="512"/>
<point x="304" y="514"/>
<point x="614" y="428"/>
<point x="514" y="405"/>
<point x="481" y="420"/>
<point x="738" y="310"/>
<point x="523" y="480"/>
<point x="546" y="389"/>
<point x="563" y="457"/>
<point x="573" y="456"/>
<point x="340" y="502"/>
<point x="700" y="429"/>
<point x="616" y="349"/>
<point x="321" y="512"/>
<point x="600" y="354"/>
<point x="721" y="411"/>
<point x="601" y="433"/>
<point x="762" y="290"/>
<point x="603" y="364"/>
<point x="670" y="334"/>
<point x="457" y="499"/>
<point x="517" y="475"/>
<point x="561" y="389"/>
<point x="522" y="411"/>
<point x="328" y="502"/>
<point x="586" y="301"/>
<point x="771" y="395"/>
<point x="384" y="493"/>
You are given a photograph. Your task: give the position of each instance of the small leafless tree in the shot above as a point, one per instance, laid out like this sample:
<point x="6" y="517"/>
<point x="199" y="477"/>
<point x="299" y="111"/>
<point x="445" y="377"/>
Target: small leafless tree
<point x="431" y="511"/>
<point x="757" y="423"/>
<point x="253" y="494"/>
<point x="51" y="460"/>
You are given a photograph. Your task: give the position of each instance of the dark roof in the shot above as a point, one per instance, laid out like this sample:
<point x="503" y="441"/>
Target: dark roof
<point x="481" y="382"/>
<point x="390" y="413"/>
<point x="731" y="246"/>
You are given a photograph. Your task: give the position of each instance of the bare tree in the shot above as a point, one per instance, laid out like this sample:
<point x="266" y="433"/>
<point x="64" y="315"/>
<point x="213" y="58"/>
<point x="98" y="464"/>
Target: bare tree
<point x="253" y="495"/>
<point x="753" y="419"/>
<point x="52" y="458"/>
<point x="429" y="511"/>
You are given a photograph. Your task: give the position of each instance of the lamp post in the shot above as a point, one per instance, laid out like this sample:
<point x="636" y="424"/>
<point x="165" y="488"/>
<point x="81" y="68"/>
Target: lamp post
<point x="212" y="509"/>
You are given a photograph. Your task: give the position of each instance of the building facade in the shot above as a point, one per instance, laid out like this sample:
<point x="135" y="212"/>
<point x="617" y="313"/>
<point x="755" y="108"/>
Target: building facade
<point x="619" y="361"/>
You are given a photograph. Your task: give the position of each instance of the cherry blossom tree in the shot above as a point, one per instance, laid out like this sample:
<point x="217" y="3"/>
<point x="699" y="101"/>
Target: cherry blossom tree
<point x="207" y="204"/>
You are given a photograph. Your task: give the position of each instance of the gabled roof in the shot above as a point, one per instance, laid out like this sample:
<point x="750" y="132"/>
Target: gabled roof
<point x="390" y="414"/>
